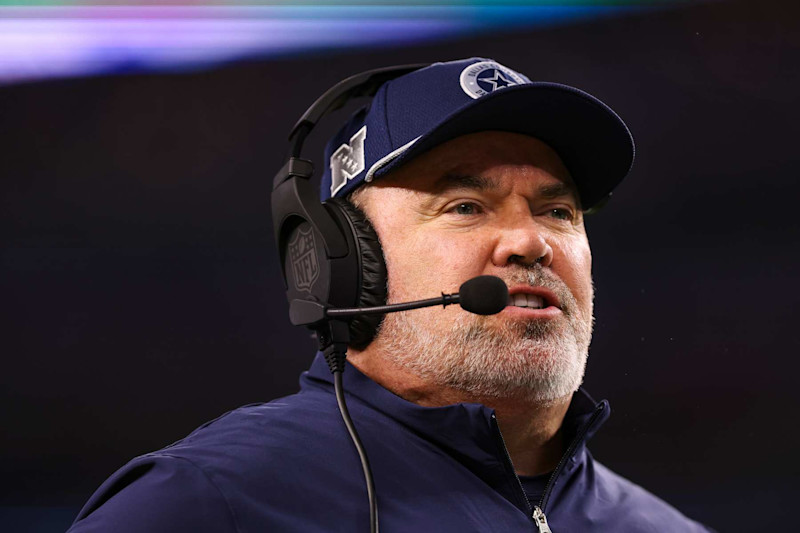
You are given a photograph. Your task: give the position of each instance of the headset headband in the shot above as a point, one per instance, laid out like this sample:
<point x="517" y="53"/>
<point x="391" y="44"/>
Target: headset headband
<point x="363" y="84"/>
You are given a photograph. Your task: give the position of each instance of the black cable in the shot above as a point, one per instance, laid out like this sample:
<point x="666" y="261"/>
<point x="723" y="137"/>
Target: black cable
<point x="362" y="453"/>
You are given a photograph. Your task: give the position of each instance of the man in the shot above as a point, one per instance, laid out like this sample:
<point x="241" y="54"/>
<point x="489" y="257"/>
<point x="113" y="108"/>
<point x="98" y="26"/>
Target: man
<point x="472" y="423"/>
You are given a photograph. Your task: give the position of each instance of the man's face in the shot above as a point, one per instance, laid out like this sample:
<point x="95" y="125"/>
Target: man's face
<point x="487" y="203"/>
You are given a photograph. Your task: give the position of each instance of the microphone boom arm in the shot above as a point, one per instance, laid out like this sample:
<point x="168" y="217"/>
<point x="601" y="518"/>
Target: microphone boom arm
<point x="444" y="301"/>
<point x="482" y="295"/>
<point x="307" y="312"/>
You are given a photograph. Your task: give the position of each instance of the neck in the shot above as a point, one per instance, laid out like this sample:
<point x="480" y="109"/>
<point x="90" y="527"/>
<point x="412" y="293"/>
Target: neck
<point x="531" y="430"/>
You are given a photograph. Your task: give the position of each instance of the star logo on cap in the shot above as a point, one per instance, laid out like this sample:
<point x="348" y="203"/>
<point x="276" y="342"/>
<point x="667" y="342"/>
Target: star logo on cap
<point x="485" y="77"/>
<point x="494" y="82"/>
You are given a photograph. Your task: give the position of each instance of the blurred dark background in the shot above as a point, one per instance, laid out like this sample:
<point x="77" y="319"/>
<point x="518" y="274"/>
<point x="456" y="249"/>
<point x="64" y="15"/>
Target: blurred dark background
<point x="140" y="295"/>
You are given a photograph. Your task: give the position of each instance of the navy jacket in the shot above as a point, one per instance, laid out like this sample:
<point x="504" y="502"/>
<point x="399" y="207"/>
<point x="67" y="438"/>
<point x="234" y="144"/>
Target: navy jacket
<point x="289" y="465"/>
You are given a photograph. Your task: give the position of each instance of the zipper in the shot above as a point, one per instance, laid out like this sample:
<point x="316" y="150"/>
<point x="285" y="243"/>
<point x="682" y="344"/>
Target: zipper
<point x="509" y="463"/>
<point x="541" y="520"/>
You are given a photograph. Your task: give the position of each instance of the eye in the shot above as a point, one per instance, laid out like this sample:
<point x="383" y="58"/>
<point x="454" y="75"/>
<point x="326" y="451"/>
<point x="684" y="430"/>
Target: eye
<point x="466" y="209"/>
<point x="560" y="213"/>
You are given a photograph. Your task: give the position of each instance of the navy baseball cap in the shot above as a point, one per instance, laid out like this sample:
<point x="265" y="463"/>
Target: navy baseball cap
<point x="415" y="112"/>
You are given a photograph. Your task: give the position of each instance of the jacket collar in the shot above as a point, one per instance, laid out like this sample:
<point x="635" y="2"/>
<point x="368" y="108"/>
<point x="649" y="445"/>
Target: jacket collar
<point x="464" y="429"/>
<point x="467" y="431"/>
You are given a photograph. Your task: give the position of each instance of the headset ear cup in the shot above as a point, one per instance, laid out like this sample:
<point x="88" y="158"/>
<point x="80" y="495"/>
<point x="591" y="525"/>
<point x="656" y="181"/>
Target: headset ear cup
<point x="372" y="291"/>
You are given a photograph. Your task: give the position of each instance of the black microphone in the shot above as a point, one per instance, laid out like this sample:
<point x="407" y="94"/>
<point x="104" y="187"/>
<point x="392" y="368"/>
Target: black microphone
<point x="482" y="295"/>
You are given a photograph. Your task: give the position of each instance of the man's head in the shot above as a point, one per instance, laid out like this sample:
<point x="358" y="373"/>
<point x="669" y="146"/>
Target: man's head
<point x="468" y="168"/>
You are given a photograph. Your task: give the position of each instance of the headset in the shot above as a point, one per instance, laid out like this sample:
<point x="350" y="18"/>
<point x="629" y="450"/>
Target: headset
<point x="330" y="255"/>
<point x="329" y="252"/>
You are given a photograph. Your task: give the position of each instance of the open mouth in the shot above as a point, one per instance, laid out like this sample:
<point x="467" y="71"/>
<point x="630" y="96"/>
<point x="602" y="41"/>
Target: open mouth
<point x="529" y="301"/>
<point x="533" y="297"/>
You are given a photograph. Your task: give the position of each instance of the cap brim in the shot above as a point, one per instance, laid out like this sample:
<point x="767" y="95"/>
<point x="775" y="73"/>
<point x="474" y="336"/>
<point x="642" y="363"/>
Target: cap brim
<point x="593" y="142"/>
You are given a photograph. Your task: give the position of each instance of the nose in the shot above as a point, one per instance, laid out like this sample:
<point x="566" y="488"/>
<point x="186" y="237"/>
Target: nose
<point x="524" y="242"/>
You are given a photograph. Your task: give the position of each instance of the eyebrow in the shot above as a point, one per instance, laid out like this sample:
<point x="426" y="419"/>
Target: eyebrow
<point x="557" y="190"/>
<point x="480" y="183"/>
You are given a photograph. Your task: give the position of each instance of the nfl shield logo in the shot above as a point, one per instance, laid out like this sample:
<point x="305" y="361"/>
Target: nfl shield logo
<point x="302" y="253"/>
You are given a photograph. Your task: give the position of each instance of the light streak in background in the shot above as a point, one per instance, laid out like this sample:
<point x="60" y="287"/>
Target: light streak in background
<point x="58" y="41"/>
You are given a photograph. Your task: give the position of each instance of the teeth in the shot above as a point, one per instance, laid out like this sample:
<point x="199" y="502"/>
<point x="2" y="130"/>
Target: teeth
<point x="527" y="300"/>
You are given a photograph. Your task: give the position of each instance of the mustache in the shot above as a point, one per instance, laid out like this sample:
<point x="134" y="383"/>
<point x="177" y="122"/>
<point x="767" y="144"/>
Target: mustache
<point x="536" y="276"/>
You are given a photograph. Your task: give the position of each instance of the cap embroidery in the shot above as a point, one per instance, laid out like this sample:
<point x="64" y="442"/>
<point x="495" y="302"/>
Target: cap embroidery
<point x="347" y="161"/>
<point x="485" y="77"/>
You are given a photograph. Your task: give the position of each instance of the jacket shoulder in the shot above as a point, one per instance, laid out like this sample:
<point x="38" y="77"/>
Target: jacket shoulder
<point x="638" y="507"/>
<point x="201" y="482"/>
<point x="150" y="494"/>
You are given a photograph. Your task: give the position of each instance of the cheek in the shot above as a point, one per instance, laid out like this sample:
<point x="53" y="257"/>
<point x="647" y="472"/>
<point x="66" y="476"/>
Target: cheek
<point x="423" y="264"/>
<point x="575" y="269"/>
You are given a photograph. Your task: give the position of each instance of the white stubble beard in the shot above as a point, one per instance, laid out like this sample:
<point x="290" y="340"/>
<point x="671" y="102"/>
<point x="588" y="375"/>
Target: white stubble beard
<point x="537" y="361"/>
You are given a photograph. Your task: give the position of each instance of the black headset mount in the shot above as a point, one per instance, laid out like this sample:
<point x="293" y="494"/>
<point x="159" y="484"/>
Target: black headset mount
<point x="317" y="250"/>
